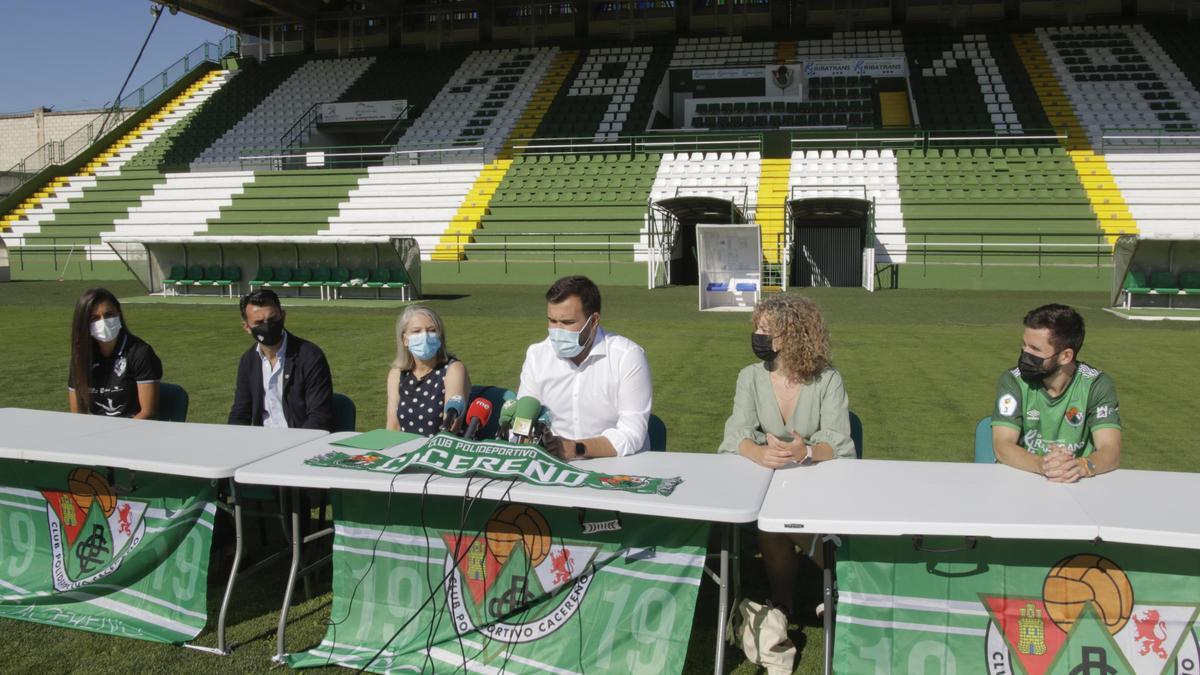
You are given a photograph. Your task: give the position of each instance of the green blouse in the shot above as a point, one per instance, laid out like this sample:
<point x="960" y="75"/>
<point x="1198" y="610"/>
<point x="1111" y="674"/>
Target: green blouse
<point x="822" y="413"/>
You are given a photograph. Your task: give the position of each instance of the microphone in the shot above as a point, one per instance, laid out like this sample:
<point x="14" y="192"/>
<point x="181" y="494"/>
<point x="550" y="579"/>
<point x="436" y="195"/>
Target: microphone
<point x="506" y="417"/>
<point x="541" y="425"/>
<point x="524" y="415"/>
<point x="478" y="414"/>
<point x="454" y="410"/>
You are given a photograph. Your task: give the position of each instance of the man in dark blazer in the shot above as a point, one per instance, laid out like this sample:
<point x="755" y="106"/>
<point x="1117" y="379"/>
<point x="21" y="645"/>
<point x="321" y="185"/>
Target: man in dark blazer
<point x="282" y="381"/>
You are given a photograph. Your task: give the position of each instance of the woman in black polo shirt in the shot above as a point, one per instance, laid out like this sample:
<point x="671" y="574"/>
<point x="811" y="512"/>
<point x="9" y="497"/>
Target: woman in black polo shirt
<point x="113" y="372"/>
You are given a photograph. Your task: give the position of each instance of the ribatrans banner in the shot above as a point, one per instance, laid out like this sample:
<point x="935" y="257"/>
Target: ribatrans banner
<point x="127" y="557"/>
<point x="450" y="455"/>
<point x="1031" y="607"/>
<point x="481" y="586"/>
<point x="363" y="111"/>
<point x="877" y="67"/>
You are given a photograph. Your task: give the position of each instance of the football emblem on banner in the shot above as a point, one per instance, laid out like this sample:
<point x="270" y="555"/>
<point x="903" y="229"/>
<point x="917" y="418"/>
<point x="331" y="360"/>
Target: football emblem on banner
<point x="92" y="529"/>
<point x="1089" y="620"/>
<point x="515" y="582"/>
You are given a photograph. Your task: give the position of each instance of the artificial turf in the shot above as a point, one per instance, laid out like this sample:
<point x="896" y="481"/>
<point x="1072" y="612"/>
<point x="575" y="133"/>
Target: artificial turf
<point x="920" y="368"/>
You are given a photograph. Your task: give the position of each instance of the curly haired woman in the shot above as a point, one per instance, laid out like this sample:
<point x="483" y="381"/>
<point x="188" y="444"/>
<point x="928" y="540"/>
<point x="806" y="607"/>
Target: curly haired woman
<point x="789" y="409"/>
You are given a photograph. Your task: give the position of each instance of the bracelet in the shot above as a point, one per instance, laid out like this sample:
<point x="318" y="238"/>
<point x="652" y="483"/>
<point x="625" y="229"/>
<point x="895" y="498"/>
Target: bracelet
<point x="1089" y="469"/>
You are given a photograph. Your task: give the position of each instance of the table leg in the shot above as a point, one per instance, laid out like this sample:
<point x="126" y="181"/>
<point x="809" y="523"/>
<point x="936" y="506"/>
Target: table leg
<point x="722" y="600"/>
<point x="222" y="646"/>
<point x="291" y="581"/>
<point x="830" y="562"/>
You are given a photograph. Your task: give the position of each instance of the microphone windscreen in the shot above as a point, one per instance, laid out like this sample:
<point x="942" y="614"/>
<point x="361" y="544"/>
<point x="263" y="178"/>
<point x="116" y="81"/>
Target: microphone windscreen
<point x="508" y="410"/>
<point x="455" y="404"/>
<point x="480" y="410"/>
<point x="526" y="412"/>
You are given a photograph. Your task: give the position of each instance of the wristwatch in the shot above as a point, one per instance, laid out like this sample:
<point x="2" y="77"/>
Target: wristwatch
<point x="1089" y="469"/>
<point x="580" y="449"/>
<point x="808" y="452"/>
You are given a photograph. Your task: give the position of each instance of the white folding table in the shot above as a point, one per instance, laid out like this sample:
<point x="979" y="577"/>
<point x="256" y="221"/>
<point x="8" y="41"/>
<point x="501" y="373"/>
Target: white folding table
<point x="205" y="451"/>
<point x="723" y="489"/>
<point x="903" y="498"/>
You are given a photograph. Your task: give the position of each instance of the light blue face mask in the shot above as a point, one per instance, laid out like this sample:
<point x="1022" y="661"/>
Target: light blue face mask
<point x="567" y="343"/>
<point x="424" y="346"/>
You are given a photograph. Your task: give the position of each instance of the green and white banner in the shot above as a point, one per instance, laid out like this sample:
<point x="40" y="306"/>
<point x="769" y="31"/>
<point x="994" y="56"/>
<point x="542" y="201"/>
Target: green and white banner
<point x="1032" y="607"/>
<point x="450" y="455"/>
<point x="482" y="586"/>
<point x="127" y="559"/>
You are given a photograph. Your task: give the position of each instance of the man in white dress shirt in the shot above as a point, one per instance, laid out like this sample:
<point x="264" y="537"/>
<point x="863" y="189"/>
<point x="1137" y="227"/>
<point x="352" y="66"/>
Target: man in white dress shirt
<point x="596" y="384"/>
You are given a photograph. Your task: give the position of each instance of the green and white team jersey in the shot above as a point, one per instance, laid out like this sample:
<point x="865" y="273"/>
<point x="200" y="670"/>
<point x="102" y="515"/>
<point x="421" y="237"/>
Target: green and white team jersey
<point x="1089" y="403"/>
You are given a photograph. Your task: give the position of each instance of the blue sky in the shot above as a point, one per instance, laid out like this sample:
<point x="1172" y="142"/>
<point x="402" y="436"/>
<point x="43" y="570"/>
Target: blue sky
<point x="74" y="54"/>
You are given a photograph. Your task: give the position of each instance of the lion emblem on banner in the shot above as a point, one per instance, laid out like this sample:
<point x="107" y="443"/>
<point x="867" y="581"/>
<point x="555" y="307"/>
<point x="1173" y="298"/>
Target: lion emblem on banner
<point x="1089" y="614"/>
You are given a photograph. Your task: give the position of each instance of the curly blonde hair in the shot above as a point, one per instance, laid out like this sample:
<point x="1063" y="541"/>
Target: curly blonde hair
<point x="806" y="350"/>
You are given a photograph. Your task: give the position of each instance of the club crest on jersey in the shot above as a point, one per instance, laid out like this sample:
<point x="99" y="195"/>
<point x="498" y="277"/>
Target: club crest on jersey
<point x="1111" y="631"/>
<point x="1008" y="405"/>
<point x="119" y="366"/>
<point x="1074" y="416"/>
<point x="92" y="530"/>
<point x="514" y="582"/>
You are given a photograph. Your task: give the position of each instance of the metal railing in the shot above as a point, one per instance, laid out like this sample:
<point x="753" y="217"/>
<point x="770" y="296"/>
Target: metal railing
<point x="560" y="243"/>
<point x="58" y="152"/>
<point x="1146" y="139"/>
<point x="355" y="157"/>
<point x="666" y="142"/>
<point x="1034" y="249"/>
<point x="917" y="139"/>
<point x="301" y="126"/>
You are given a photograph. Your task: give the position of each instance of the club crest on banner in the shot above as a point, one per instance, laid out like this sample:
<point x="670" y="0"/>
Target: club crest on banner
<point x="515" y="582"/>
<point x="92" y="529"/>
<point x="1089" y="621"/>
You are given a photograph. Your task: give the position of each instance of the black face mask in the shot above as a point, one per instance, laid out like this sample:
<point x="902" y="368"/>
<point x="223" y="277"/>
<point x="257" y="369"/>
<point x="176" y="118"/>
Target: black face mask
<point x="1033" y="367"/>
<point x="761" y="344"/>
<point x="269" y="333"/>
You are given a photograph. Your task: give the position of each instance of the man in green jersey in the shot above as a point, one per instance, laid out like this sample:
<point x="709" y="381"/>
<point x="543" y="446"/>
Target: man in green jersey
<point x="1055" y="415"/>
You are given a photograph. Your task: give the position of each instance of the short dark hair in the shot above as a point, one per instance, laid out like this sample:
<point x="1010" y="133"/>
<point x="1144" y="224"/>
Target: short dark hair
<point x="260" y="298"/>
<point x="1065" y="324"/>
<point x="581" y="287"/>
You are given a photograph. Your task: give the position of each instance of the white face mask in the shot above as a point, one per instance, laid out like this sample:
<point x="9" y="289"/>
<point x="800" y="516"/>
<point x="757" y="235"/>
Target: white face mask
<point x="106" y="330"/>
<point x="567" y="343"/>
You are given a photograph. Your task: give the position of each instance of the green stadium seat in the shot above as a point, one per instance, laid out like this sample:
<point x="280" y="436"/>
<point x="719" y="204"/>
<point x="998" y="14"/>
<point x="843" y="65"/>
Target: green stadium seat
<point x="264" y="276"/>
<point x="339" y="278"/>
<point x="378" y="277"/>
<point x="1189" y="282"/>
<point x="212" y="274"/>
<point x="398" y="278"/>
<point x="320" y="277"/>
<point x="194" y="273"/>
<point x="230" y="276"/>
<point x="282" y="276"/>
<point x="300" y="277"/>
<point x="1163" y="281"/>
<point x="177" y="272"/>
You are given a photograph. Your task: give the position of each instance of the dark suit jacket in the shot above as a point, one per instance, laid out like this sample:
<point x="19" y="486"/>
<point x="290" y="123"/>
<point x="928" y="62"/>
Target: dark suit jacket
<point x="307" y="388"/>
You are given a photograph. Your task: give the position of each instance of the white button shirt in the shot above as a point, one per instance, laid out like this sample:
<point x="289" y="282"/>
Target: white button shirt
<point x="609" y="394"/>
<point x="273" y="387"/>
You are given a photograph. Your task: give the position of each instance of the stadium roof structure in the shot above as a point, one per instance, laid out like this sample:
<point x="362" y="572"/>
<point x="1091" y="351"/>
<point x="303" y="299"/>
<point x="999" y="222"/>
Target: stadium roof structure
<point x="236" y="14"/>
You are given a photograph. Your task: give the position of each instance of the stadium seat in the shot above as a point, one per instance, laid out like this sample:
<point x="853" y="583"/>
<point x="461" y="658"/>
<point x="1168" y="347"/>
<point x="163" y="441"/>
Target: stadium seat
<point x="195" y="273"/>
<point x="1162" y="281"/>
<point x="177" y="272"/>
<point x="172" y="403"/>
<point x="283" y="275"/>
<point x="345" y="413"/>
<point x="301" y="277"/>
<point x="230" y="278"/>
<point x="262" y="278"/>
<point x="212" y="274"/>
<point x="377" y="279"/>
<point x="856" y="434"/>
<point x="339" y="279"/>
<point x="984" y="454"/>
<point x="320" y="279"/>
<point x="656" y="429"/>
<point x="1189" y="282"/>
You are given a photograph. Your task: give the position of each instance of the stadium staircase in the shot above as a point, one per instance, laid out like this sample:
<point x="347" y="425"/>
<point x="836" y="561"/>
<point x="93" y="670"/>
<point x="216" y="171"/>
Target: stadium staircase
<point x="770" y="214"/>
<point x="1103" y="195"/>
<point x="101" y="194"/>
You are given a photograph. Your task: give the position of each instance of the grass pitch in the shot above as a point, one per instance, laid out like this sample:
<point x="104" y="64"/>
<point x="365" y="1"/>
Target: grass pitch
<point x="920" y="369"/>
